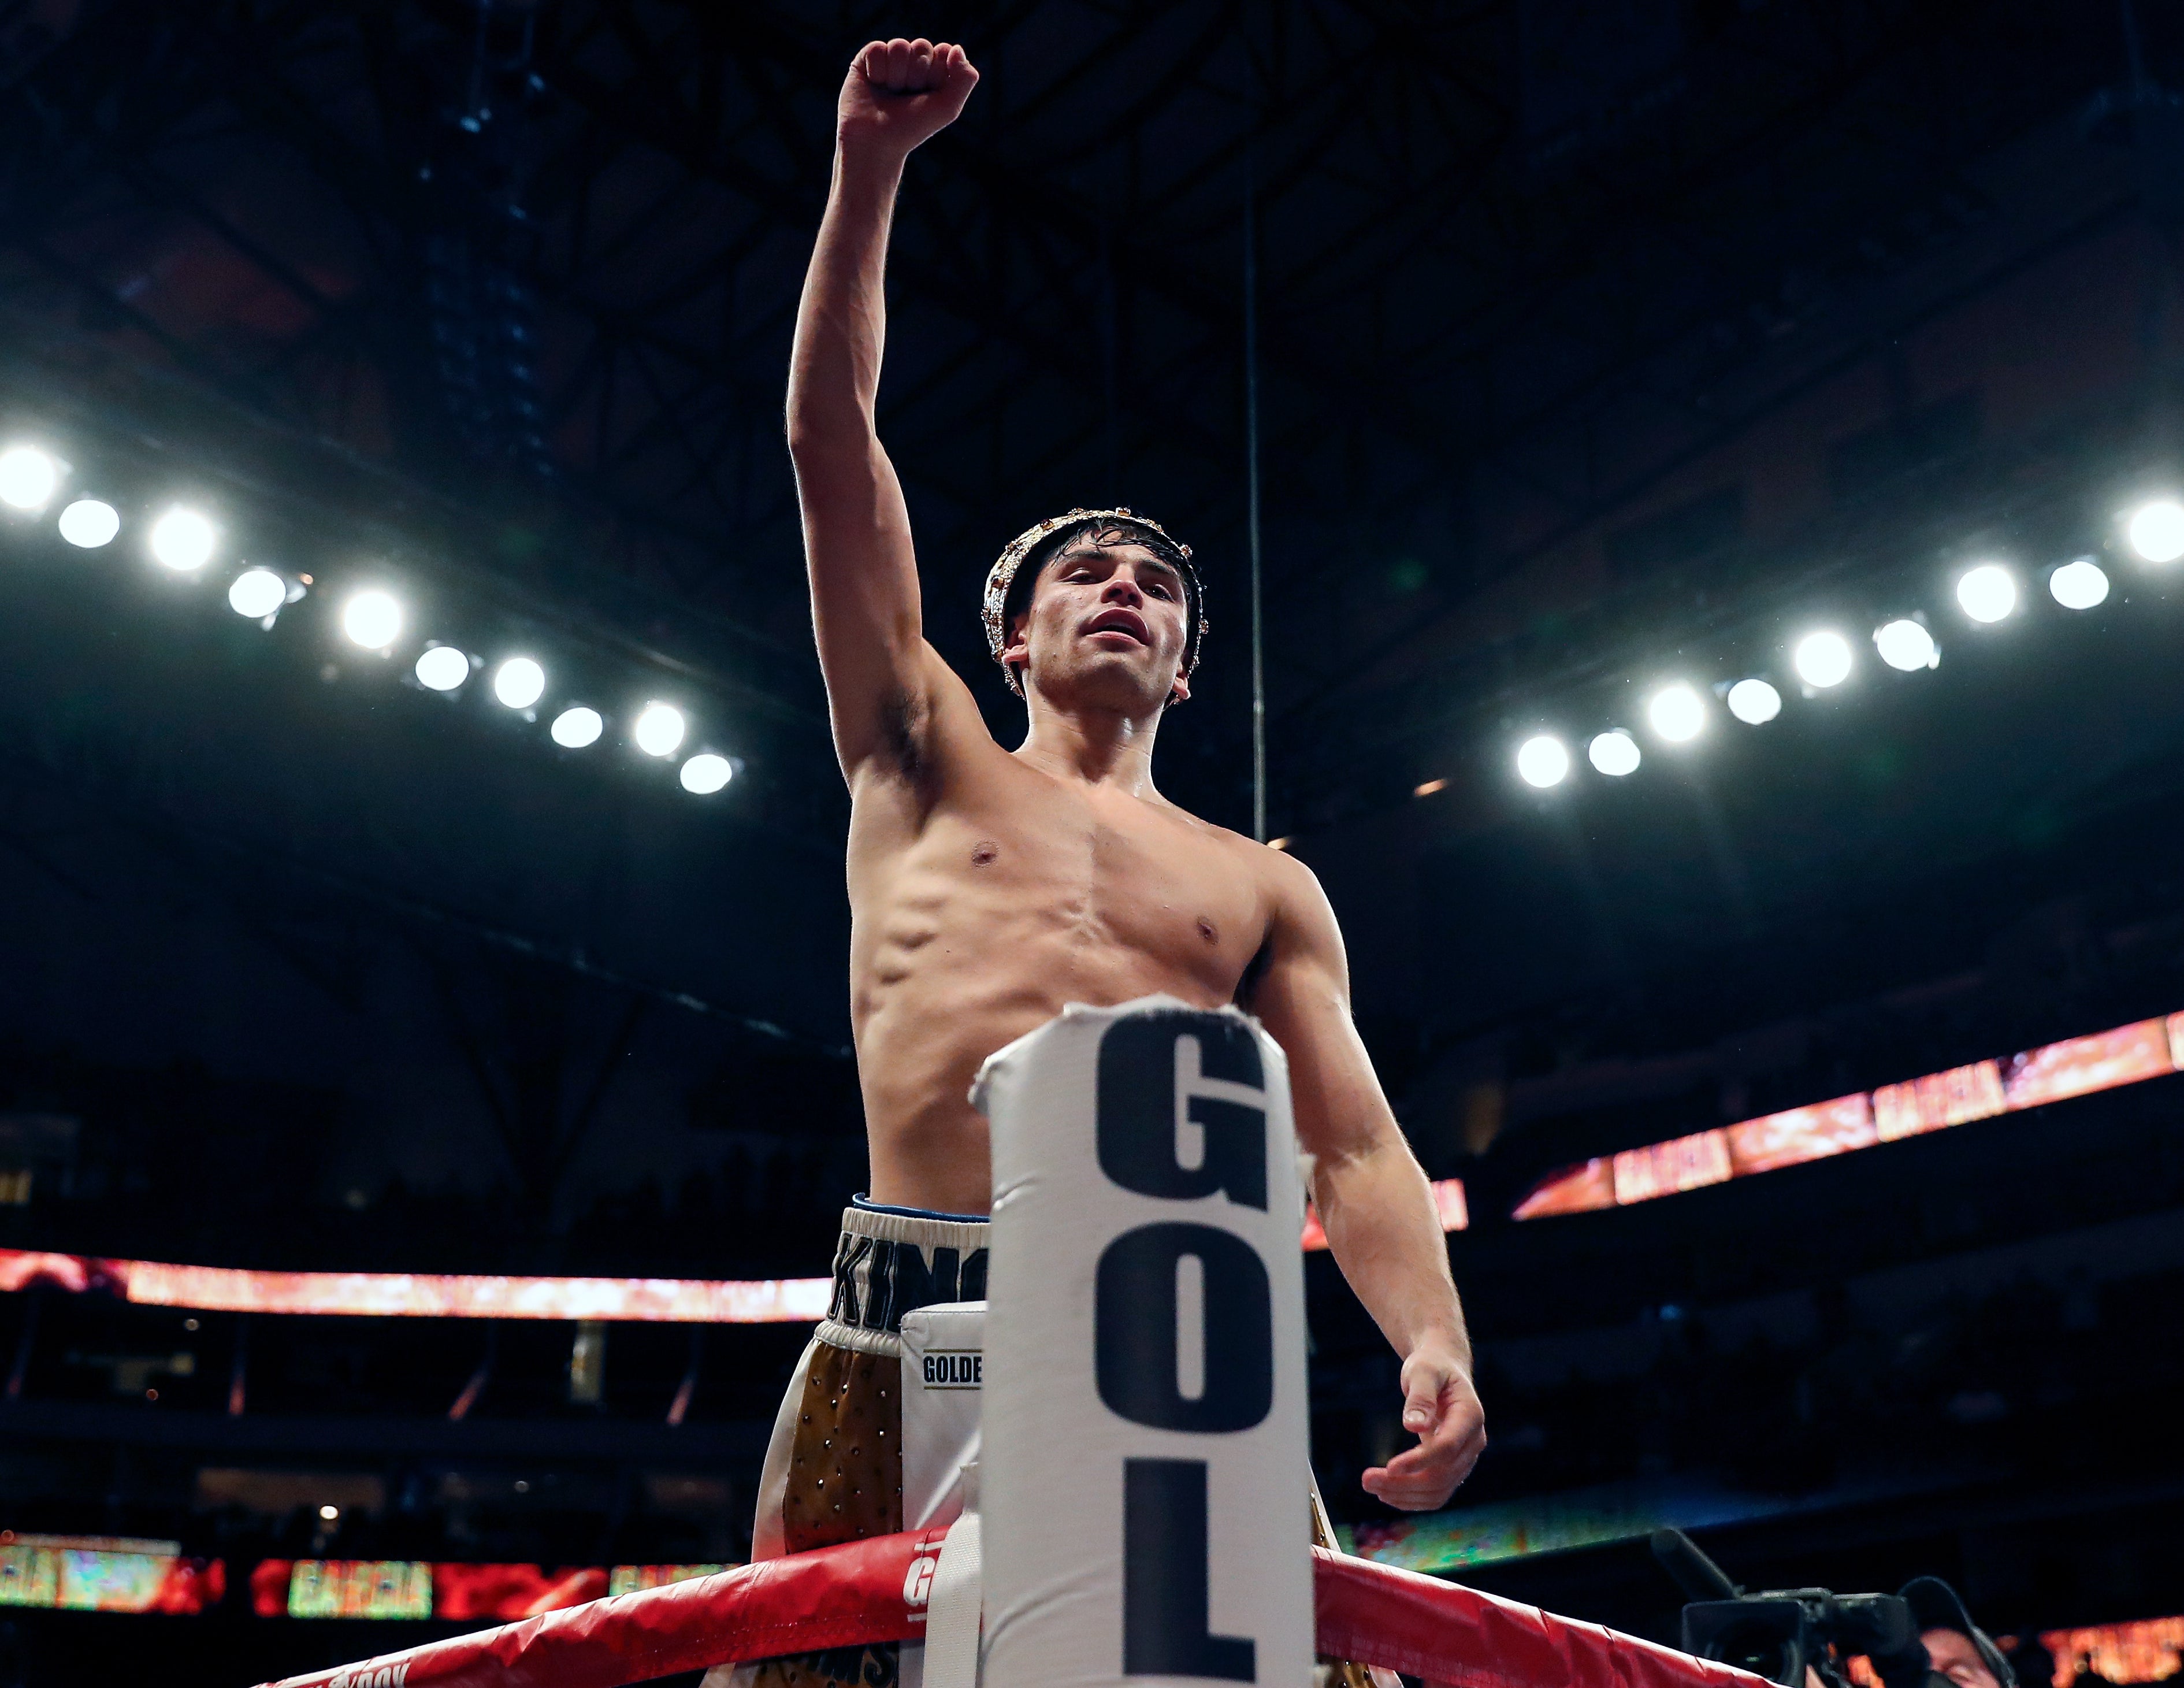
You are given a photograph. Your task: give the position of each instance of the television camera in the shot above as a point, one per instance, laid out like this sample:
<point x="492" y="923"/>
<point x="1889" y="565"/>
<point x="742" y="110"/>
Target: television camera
<point x="1798" y="1637"/>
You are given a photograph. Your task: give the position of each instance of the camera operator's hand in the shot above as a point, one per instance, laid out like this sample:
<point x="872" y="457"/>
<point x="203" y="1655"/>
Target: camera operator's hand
<point x="1907" y="1668"/>
<point x="1441" y="1408"/>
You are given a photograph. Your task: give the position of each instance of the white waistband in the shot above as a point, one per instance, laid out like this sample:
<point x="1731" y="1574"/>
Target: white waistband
<point x="887" y="1264"/>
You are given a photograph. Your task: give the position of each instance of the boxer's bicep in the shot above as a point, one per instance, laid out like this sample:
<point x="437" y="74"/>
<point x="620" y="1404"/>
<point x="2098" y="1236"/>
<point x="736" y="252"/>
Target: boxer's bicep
<point x="1302" y="998"/>
<point x="1372" y="1197"/>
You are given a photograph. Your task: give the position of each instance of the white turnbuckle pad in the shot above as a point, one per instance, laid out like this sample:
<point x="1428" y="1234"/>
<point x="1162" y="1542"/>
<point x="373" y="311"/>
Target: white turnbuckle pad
<point x="943" y="1379"/>
<point x="1145" y="1446"/>
<point x="952" y="1614"/>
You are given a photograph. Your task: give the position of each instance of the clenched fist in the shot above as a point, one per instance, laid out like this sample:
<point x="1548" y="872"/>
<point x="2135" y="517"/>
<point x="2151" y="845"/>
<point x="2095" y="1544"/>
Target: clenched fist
<point x="900" y="93"/>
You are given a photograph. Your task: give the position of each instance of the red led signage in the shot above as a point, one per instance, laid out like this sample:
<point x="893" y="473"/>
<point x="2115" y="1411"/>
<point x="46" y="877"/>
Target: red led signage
<point x="414" y="1588"/>
<point x="2077" y="1066"/>
<point x="215" y="1289"/>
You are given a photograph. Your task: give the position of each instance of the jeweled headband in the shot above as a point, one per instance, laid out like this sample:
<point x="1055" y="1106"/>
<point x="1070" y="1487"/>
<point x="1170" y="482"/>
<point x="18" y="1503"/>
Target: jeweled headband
<point x="1002" y="575"/>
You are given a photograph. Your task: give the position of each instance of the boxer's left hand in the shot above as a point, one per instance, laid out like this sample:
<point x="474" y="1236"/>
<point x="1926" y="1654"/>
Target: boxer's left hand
<point x="1441" y="1408"/>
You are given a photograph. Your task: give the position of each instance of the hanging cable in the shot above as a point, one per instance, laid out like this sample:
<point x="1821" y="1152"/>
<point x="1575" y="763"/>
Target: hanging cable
<point x="1251" y="496"/>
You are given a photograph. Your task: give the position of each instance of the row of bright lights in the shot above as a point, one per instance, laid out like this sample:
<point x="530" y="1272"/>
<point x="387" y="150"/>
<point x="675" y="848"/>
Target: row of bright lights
<point x="1987" y="594"/>
<point x="182" y="539"/>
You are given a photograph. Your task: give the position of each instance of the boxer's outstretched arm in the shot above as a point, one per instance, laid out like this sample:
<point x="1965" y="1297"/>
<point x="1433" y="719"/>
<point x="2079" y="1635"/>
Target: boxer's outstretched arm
<point x="856" y="531"/>
<point x="1373" y="1200"/>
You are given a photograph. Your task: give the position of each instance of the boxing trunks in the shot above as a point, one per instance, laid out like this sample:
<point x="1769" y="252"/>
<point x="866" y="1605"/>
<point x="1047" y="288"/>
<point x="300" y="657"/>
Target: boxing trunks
<point x="834" y="1465"/>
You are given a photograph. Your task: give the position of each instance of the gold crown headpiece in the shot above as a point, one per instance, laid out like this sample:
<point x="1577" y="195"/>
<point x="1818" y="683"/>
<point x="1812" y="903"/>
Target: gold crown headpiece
<point x="1002" y="575"/>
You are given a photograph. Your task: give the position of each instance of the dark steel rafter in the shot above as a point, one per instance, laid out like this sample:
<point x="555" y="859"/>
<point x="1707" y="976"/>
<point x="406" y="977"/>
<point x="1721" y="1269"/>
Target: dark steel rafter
<point x="1663" y="306"/>
<point x="1438" y="309"/>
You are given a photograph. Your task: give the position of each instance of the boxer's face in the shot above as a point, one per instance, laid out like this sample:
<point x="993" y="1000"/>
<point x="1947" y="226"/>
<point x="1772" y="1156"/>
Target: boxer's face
<point x="1106" y="628"/>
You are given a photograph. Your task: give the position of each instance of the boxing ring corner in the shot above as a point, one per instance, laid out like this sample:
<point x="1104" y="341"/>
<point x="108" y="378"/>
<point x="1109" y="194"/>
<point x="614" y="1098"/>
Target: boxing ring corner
<point x="875" y="1591"/>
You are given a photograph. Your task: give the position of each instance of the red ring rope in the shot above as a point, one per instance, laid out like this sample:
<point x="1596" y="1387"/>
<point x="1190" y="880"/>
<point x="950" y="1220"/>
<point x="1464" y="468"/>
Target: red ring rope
<point x="875" y="1591"/>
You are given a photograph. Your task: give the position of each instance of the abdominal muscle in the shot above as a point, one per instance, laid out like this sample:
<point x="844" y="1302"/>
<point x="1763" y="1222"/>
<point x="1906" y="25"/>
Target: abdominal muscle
<point x="964" y="942"/>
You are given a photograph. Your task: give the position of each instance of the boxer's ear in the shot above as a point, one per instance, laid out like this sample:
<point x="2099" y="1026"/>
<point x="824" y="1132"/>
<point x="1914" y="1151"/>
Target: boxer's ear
<point x="1016" y="654"/>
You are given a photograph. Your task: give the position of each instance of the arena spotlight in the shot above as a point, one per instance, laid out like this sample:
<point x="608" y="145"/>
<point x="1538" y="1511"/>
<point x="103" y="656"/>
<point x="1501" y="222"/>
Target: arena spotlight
<point x="518" y="683"/>
<point x="90" y="523"/>
<point x="372" y="619"/>
<point x="1754" y="702"/>
<point x="574" y="729"/>
<point x="29" y="478"/>
<point x="256" y="593"/>
<point x="706" y="773"/>
<point x="442" y="668"/>
<point x="660" y="729"/>
<point x="1988" y="593"/>
<point x="329" y="1513"/>
<point x="1907" y="646"/>
<point x="1678" y="713"/>
<point x="1614" y="754"/>
<point x="182" y="540"/>
<point x="2079" y="584"/>
<point x="1822" y="659"/>
<point x="1542" y="761"/>
<point x="2156" y="530"/>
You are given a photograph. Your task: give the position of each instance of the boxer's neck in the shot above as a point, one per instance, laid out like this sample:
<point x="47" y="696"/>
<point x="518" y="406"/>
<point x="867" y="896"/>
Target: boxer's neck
<point x="1092" y="746"/>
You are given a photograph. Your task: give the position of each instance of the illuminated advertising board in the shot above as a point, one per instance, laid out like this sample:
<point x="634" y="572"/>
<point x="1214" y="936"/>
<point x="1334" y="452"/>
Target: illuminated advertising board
<point x="632" y="1578"/>
<point x="414" y="1588"/>
<point x="105" y="1574"/>
<point x="356" y="1588"/>
<point x="2055" y="1073"/>
<point x="2150" y="1650"/>
<point x="219" y="1289"/>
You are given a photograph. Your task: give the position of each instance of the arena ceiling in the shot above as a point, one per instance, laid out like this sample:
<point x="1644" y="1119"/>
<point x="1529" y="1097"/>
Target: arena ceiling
<point x="518" y="279"/>
<point x="545" y="257"/>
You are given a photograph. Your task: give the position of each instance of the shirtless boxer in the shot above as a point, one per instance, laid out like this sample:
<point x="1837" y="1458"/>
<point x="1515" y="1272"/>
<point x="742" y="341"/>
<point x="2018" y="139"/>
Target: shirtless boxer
<point x="989" y="887"/>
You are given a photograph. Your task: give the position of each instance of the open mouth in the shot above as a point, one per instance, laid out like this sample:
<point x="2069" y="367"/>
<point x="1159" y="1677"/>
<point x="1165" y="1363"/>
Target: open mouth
<point x="1121" y="621"/>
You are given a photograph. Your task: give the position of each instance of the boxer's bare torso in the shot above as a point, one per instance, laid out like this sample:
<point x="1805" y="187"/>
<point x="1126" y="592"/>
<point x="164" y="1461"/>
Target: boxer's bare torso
<point x="989" y="887"/>
<point x="986" y="892"/>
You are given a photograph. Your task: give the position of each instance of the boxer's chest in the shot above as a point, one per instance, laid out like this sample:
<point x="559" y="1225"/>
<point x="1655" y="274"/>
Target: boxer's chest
<point x="1126" y="875"/>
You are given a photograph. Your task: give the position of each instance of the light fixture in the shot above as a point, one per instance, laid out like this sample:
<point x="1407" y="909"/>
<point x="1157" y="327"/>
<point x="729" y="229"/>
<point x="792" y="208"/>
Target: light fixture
<point x="2079" y="584"/>
<point x="28" y="477"/>
<point x="1987" y="593"/>
<point x="706" y="773"/>
<point x="90" y="523"/>
<point x="1614" y="754"/>
<point x="660" y="729"/>
<point x="182" y="540"/>
<point x="1754" y="702"/>
<point x="1428" y="788"/>
<point x="1822" y="659"/>
<point x="442" y="668"/>
<point x="329" y="1511"/>
<point x="372" y="619"/>
<point x="2156" y="532"/>
<point x="574" y="729"/>
<point x="256" y="593"/>
<point x="1542" y="761"/>
<point x="1906" y="645"/>
<point x="1677" y="713"/>
<point x="518" y="683"/>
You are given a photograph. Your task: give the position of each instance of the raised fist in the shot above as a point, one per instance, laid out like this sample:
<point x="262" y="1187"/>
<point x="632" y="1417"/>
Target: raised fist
<point x="899" y="93"/>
